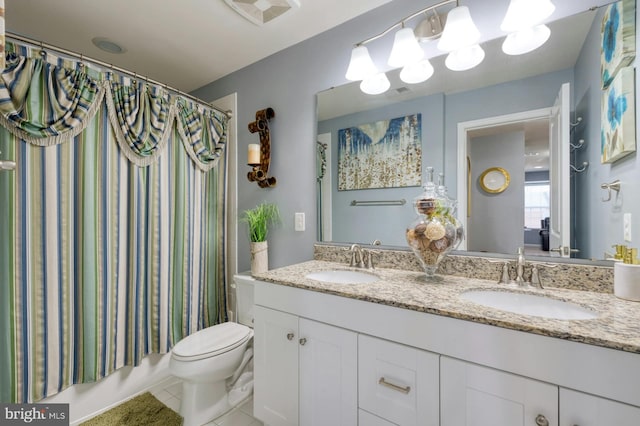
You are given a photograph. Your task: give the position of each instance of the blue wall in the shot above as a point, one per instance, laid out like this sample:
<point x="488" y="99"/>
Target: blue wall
<point x="288" y="82"/>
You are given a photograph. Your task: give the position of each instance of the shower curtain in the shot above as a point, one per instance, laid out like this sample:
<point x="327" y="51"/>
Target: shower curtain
<point x="111" y="226"/>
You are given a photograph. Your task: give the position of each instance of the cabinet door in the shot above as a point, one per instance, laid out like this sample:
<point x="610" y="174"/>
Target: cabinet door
<point x="328" y="375"/>
<point x="471" y="395"/>
<point x="580" y="409"/>
<point x="275" y="398"/>
<point x="397" y="382"/>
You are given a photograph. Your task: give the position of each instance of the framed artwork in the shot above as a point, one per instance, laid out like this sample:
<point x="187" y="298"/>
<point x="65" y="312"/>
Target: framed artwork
<point x="618" y="133"/>
<point x="383" y="154"/>
<point x="618" y="48"/>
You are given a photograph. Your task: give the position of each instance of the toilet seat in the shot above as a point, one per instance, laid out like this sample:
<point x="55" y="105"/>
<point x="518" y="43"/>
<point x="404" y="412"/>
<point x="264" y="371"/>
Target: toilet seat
<point x="211" y="341"/>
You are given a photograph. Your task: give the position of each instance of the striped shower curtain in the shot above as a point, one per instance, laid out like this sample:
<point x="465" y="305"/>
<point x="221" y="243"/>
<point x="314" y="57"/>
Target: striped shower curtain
<point x="111" y="226"/>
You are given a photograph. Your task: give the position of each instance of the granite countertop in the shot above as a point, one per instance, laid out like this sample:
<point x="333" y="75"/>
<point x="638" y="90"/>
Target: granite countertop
<point x="617" y="326"/>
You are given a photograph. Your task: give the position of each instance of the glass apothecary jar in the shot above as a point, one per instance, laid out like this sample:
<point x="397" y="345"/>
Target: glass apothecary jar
<point x="436" y="230"/>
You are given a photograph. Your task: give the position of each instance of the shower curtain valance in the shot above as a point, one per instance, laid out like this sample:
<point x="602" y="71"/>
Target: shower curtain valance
<point x="69" y="93"/>
<point x="67" y="100"/>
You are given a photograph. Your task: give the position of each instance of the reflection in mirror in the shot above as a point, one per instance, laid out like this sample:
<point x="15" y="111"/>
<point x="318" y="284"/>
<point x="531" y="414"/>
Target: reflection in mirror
<point x="502" y="86"/>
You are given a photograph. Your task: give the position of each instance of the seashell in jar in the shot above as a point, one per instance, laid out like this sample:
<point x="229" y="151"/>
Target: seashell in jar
<point x="426" y="206"/>
<point x="435" y="231"/>
<point x="440" y="245"/>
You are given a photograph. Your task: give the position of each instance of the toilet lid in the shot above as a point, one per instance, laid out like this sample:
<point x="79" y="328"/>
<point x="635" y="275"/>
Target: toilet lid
<point x="212" y="341"/>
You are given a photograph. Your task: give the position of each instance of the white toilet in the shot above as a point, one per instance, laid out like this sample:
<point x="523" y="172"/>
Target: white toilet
<point x="212" y="363"/>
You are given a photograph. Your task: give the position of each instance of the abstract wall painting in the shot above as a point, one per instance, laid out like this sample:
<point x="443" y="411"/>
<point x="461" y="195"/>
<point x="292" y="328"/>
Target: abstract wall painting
<point x="383" y="154"/>
<point x="618" y="48"/>
<point x="618" y="131"/>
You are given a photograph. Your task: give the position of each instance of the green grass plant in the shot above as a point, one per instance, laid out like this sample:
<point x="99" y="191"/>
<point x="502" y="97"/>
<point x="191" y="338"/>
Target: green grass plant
<point x="259" y="219"/>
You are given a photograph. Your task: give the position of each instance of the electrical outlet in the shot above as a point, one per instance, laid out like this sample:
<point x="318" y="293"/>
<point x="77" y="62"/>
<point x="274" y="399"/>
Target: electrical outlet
<point x="627" y="227"/>
<point x="299" y="222"/>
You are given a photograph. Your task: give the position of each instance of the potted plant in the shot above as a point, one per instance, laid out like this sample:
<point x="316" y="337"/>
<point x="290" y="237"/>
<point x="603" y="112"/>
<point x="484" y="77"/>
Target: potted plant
<point x="258" y="221"/>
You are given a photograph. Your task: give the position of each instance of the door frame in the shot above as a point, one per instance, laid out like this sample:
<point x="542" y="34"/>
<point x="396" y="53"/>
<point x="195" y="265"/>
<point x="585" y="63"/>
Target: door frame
<point x="464" y="127"/>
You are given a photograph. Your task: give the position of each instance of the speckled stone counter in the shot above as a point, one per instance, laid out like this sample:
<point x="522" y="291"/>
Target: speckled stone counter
<point x="617" y="326"/>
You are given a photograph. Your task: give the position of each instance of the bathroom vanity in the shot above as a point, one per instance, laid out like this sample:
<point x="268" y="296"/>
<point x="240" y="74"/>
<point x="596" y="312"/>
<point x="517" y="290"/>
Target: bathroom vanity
<point x="401" y="351"/>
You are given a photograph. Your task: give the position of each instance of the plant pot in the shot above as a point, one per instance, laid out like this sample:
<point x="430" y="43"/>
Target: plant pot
<point x="259" y="257"/>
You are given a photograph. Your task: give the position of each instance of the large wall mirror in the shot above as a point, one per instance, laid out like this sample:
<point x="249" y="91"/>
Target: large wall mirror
<point x="498" y="106"/>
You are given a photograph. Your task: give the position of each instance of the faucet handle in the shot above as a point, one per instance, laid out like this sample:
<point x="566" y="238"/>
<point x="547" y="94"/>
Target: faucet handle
<point x="535" y="277"/>
<point x="367" y="257"/>
<point x="504" y="277"/>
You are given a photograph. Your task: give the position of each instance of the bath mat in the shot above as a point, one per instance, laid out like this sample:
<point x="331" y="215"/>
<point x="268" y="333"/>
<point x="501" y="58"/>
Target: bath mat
<point x="143" y="410"/>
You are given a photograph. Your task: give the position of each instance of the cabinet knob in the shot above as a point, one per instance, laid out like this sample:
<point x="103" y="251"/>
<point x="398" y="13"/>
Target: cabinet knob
<point x="289" y="336"/>
<point x="541" y="420"/>
<point x="303" y="341"/>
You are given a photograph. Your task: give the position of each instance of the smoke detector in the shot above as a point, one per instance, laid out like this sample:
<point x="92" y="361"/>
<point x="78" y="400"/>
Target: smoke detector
<point x="262" y="11"/>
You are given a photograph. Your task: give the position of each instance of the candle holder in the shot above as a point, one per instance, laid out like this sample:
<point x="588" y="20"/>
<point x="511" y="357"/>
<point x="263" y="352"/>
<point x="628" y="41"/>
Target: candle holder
<point x="260" y="170"/>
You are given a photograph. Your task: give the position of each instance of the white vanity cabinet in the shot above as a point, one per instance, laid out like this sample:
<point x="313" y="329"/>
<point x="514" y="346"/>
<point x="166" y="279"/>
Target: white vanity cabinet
<point x="437" y="370"/>
<point x="475" y="395"/>
<point x="581" y="409"/>
<point x="305" y="371"/>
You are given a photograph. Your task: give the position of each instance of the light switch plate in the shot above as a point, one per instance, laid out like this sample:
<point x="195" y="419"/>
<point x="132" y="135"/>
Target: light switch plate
<point x="627" y="227"/>
<point x="299" y="224"/>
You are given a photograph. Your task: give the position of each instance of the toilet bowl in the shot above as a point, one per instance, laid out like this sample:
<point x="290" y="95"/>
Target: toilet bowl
<point x="207" y="361"/>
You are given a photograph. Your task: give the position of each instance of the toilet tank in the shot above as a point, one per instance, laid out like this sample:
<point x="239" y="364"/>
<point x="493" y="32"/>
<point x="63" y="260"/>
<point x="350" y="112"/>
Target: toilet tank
<point x="244" y="298"/>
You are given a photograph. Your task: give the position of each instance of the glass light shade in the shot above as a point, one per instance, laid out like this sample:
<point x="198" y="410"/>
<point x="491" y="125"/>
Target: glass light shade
<point x="406" y="49"/>
<point x="417" y="73"/>
<point x="459" y="31"/>
<point x="375" y="84"/>
<point x="361" y="66"/>
<point x="465" y="58"/>
<point x="526" y="40"/>
<point x="523" y="14"/>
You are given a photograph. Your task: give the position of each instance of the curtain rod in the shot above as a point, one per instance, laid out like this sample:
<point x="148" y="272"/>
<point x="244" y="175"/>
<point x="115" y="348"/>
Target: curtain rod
<point x="81" y="57"/>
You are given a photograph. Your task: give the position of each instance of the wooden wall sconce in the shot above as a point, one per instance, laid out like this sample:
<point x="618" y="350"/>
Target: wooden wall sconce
<point x="259" y="156"/>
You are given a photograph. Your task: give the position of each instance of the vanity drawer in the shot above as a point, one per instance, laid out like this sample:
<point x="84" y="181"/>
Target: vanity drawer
<point x="397" y="382"/>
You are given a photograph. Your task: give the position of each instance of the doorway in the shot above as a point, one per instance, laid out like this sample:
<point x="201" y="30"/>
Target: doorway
<point x="524" y="206"/>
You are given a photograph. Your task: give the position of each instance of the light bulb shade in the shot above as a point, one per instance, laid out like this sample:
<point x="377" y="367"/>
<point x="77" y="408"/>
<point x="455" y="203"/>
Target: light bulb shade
<point x="406" y="49"/>
<point x="465" y="58"/>
<point x="361" y="66"/>
<point x="459" y="31"/>
<point x="523" y="14"/>
<point x="375" y="84"/>
<point x="417" y="72"/>
<point x="526" y="40"/>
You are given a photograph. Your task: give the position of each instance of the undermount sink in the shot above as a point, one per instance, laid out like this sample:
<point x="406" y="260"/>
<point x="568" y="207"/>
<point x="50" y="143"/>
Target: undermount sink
<point x="529" y="304"/>
<point x="343" y="276"/>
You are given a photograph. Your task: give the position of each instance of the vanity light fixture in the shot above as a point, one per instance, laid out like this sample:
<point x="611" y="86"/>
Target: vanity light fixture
<point x="259" y="156"/>
<point x="523" y="22"/>
<point x="460" y="38"/>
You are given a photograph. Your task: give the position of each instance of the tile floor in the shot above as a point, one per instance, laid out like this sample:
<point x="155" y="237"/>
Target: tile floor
<point x="169" y="392"/>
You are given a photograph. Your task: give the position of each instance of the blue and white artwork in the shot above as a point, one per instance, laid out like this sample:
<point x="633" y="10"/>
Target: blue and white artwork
<point x="383" y="154"/>
<point x="618" y="47"/>
<point x="618" y="132"/>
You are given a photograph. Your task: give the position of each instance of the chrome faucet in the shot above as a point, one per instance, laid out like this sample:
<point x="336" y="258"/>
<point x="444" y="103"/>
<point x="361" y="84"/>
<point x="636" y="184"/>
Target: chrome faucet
<point x="356" y="256"/>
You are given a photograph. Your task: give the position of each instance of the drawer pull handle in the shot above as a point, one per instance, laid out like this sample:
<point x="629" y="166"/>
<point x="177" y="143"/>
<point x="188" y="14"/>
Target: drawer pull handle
<point x="403" y="389"/>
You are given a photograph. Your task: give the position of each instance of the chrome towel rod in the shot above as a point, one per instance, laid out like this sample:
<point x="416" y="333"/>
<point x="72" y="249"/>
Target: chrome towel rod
<point x="379" y="203"/>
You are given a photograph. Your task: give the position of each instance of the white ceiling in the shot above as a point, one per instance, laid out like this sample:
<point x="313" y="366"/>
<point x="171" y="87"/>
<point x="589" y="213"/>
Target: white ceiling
<point x="189" y="43"/>
<point x="183" y="43"/>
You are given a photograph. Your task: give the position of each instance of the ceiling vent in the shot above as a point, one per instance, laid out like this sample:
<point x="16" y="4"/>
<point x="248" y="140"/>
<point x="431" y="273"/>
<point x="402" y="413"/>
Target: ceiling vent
<point x="262" y="11"/>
